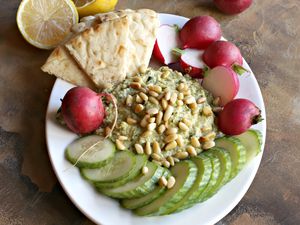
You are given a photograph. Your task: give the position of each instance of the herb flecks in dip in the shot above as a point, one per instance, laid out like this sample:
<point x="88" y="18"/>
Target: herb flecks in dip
<point x="162" y="114"/>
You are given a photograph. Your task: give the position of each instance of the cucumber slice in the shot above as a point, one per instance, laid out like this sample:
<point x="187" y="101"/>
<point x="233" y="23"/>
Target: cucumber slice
<point x="141" y="160"/>
<point x="96" y="157"/>
<point x="135" y="203"/>
<point x="237" y="153"/>
<point x="213" y="178"/>
<point x="252" y="140"/>
<point x="185" y="173"/>
<point x="118" y="168"/>
<point x="141" y="185"/>
<point x="204" y="166"/>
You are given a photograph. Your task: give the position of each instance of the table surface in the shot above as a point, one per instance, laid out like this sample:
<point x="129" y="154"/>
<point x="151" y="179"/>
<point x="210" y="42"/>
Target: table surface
<point x="268" y="35"/>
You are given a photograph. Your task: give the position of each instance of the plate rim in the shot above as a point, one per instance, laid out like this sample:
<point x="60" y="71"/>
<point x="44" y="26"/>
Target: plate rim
<point x="229" y="207"/>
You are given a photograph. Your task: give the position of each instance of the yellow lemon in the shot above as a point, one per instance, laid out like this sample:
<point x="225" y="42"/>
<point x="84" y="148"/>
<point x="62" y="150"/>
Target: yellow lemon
<point x="46" y="23"/>
<point x="91" y="7"/>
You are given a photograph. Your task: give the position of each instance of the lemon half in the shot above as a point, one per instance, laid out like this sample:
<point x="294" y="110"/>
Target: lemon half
<point x="91" y="7"/>
<point x="46" y="23"/>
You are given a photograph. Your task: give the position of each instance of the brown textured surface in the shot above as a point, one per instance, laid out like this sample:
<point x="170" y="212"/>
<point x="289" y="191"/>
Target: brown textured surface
<point x="269" y="37"/>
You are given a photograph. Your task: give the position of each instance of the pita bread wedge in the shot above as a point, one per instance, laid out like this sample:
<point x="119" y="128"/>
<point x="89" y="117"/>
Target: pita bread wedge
<point x="101" y="51"/>
<point x="143" y="26"/>
<point x="61" y="64"/>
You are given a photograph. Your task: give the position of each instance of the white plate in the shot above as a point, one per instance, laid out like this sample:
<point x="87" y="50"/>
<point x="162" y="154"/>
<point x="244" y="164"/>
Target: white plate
<point x="106" y="211"/>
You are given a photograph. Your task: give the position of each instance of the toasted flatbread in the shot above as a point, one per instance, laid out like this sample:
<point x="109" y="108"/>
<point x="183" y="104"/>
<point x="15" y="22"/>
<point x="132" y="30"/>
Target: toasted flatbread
<point x="102" y="51"/>
<point x="61" y="64"/>
<point x="143" y="26"/>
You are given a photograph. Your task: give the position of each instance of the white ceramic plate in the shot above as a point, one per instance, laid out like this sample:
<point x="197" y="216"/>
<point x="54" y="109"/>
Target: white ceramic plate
<point x="106" y="211"/>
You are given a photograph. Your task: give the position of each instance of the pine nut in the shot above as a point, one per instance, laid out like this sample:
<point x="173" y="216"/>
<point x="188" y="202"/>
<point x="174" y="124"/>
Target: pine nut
<point x="180" y="141"/>
<point x="166" y="163"/>
<point x="143" y="96"/>
<point x="156" y="156"/>
<point x="143" y="68"/>
<point x="180" y="96"/>
<point x="165" y="74"/>
<point x="171" y="182"/>
<point x="179" y="102"/>
<point x="191" y="150"/>
<point x="181" y="87"/>
<point x="145" y="170"/>
<point x="156" y="147"/>
<point x="157" y="162"/>
<point x="168" y="95"/>
<point x="164" y="103"/>
<point x="208" y="145"/>
<point x="155" y="88"/>
<point x="208" y="137"/>
<point x="151" y="126"/>
<point x="173" y="98"/>
<point x="159" y="117"/>
<point x="181" y="155"/>
<point x="170" y="138"/>
<point x="187" y="122"/>
<point x="152" y="111"/>
<point x="135" y="85"/>
<point x="189" y="100"/>
<point x="217" y="109"/>
<point x="139" y="149"/>
<point x="129" y="100"/>
<point x="148" y="149"/>
<point x="138" y="108"/>
<point x="153" y="100"/>
<point x="163" y="182"/>
<point x="120" y="145"/>
<point x="161" y="128"/>
<point x="168" y="112"/>
<point x="171" y="145"/>
<point x="147" y="133"/>
<point x="193" y="106"/>
<point x="144" y="121"/>
<point x="131" y="121"/>
<point x="207" y="111"/>
<point x="201" y="100"/>
<point x="187" y="92"/>
<point x="176" y="160"/>
<point x="195" y="142"/>
<point x="144" y="90"/>
<point x="171" y="160"/>
<point x="172" y="130"/>
<point x="206" y="129"/>
<point x="123" y="138"/>
<point x="153" y="93"/>
<point x="137" y="79"/>
<point x="216" y="101"/>
<point x="151" y="120"/>
<point x="183" y="126"/>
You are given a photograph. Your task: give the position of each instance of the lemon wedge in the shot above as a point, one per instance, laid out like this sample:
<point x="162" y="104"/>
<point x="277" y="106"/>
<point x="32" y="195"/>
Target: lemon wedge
<point x="91" y="7"/>
<point x="44" y="23"/>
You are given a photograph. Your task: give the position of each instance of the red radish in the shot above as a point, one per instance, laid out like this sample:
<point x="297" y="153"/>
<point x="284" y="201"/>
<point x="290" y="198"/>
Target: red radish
<point x="232" y="6"/>
<point x="82" y="110"/>
<point x="191" y="61"/>
<point x="199" y="32"/>
<point x="167" y="39"/>
<point x="222" y="82"/>
<point x="238" y="116"/>
<point x="222" y="53"/>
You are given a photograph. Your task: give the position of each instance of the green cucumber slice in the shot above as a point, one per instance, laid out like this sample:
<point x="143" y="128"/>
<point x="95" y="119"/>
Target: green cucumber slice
<point x="237" y="153"/>
<point x="135" y="203"/>
<point x="209" y="190"/>
<point x="252" y="141"/>
<point x="118" y="168"/>
<point x="141" y="161"/>
<point x="185" y="173"/>
<point x="96" y="157"/>
<point x="139" y="186"/>
<point x="204" y="166"/>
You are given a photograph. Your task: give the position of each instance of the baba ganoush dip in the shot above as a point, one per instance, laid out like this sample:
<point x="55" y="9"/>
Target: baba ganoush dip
<point x="163" y="114"/>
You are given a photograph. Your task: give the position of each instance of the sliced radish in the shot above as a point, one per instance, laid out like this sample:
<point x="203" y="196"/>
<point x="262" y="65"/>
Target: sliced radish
<point x="192" y="63"/>
<point x="222" y="82"/>
<point x="167" y="39"/>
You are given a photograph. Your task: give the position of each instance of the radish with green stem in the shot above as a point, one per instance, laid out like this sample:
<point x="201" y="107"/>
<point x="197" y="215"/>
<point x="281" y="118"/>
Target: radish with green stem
<point x="222" y="82"/>
<point x="167" y="38"/>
